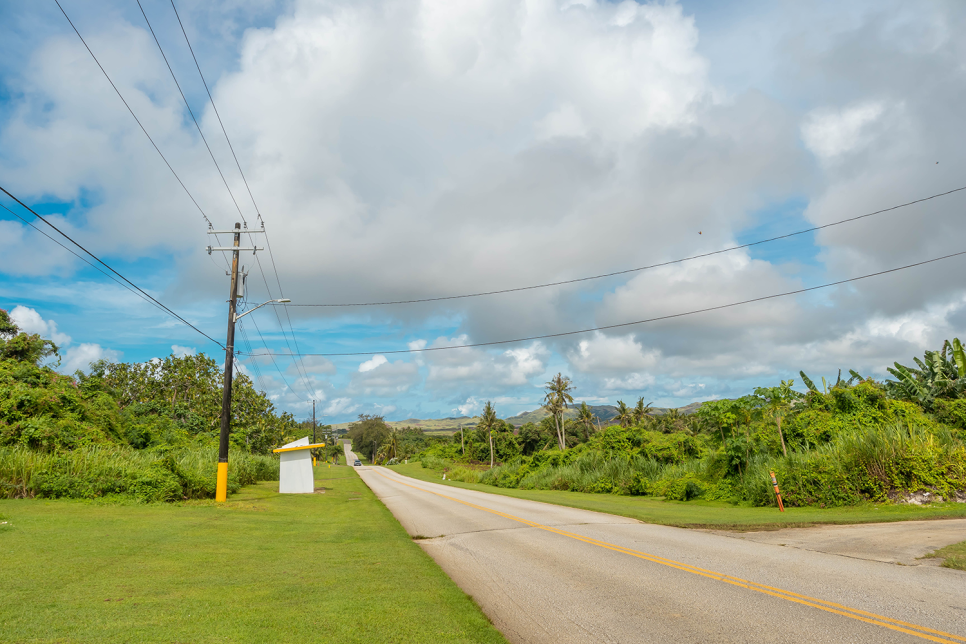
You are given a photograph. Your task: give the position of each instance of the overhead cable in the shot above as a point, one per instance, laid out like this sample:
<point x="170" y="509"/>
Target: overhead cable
<point x="640" y="268"/>
<point x="654" y="319"/>
<point x="102" y="263"/>
<point x="118" y="92"/>
<point x="180" y="91"/>
<point x="298" y="363"/>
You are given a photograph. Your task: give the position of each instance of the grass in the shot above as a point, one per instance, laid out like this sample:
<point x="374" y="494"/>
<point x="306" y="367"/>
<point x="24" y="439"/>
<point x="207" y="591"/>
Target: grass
<point x="954" y="556"/>
<point x="707" y="514"/>
<point x="262" y="567"/>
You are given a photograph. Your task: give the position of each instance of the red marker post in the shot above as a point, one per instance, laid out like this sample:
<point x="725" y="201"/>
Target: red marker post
<point x="778" y="494"/>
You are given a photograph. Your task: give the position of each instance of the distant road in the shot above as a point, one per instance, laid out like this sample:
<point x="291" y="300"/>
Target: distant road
<point x="546" y="573"/>
<point x="350" y="456"/>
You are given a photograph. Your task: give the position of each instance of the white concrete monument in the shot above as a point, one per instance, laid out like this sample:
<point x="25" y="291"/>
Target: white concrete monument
<point x="296" y="467"/>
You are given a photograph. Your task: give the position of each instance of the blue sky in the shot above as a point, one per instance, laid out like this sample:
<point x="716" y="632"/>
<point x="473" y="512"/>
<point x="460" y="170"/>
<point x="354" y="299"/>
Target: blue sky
<point x="402" y="150"/>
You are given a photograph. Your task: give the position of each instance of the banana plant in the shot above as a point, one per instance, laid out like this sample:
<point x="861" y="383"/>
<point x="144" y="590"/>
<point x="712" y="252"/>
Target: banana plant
<point x="941" y="374"/>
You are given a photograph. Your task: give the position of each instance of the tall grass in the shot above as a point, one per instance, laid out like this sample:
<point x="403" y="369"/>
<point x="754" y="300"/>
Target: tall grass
<point x="867" y="463"/>
<point x="103" y="471"/>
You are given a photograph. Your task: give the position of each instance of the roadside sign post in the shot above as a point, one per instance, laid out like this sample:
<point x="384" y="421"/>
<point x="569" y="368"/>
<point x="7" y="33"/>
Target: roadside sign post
<point x="778" y="494"/>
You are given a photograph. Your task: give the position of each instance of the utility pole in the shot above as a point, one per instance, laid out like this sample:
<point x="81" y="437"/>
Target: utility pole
<point x="491" y="449"/>
<point x="462" y="440"/>
<point x="313" y="422"/>
<point x="221" y="482"/>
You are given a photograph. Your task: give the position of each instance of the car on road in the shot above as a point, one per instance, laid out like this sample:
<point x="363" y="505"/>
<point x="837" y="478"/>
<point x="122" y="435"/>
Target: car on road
<point x="358" y="463"/>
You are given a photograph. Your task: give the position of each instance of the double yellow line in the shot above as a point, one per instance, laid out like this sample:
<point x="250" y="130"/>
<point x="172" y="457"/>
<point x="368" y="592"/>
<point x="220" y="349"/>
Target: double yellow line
<point x="923" y="632"/>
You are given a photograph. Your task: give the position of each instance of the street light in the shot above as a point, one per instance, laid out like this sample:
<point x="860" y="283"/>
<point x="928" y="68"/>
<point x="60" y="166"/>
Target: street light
<point x="281" y="301"/>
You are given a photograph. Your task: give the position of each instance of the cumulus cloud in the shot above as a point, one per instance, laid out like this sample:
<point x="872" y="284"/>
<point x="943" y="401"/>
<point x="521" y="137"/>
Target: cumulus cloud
<point x="484" y="369"/>
<point x="72" y="357"/>
<point x="181" y="352"/>
<point x="81" y="356"/>
<point x="340" y="406"/>
<point x="830" y="133"/>
<point x="379" y="377"/>
<point x="30" y="321"/>
<point x="503" y="144"/>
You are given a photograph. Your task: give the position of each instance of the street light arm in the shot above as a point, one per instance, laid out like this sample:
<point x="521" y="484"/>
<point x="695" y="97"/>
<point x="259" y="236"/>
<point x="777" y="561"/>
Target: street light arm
<point x="238" y="317"/>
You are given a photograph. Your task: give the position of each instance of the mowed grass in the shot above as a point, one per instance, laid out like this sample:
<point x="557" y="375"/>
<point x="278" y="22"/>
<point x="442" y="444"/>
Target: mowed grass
<point x="706" y="514"/>
<point x="954" y="556"/>
<point x="263" y="567"/>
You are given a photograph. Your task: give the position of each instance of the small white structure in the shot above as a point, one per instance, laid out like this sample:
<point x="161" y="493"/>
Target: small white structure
<point x="296" y="467"/>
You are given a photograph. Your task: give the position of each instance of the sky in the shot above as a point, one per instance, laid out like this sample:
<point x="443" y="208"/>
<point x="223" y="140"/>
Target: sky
<point x="400" y="150"/>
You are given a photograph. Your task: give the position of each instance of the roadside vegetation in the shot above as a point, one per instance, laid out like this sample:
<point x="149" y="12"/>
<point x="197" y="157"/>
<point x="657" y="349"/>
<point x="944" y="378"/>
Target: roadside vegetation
<point x="954" y="556"/>
<point x="840" y="444"/>
<point x="262" y="567"/>
<point x="146" y="431"/>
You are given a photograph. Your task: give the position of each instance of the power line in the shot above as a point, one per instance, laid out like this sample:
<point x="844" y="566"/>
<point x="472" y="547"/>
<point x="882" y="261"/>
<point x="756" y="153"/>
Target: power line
<point x="640" y="268"/>
<point x="654" y="319"/>
<point x="191" y="49"/>
<point x="298" y="362"/>
<point x="117" y="91"/>
<point x="99" y="261"/>
<point x="143" y="129"/>
<point x="80" y="257"/>
<point x="272" y="356"/>
<point x="180" y="91"/>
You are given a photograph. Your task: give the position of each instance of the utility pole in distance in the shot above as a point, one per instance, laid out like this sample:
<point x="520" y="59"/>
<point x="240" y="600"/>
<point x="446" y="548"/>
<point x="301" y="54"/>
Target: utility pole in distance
<point x="313" y="422"/>
<point x="221" y="482"/>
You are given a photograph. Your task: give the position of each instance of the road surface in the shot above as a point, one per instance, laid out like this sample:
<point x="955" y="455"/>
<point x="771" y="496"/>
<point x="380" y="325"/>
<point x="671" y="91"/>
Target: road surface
<point x="546" y="573"/>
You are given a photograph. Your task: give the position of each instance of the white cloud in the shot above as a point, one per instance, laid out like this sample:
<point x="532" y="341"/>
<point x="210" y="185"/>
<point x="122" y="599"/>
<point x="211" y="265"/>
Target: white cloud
<point x="372" y="363"/>
<point x="606" y="354"/>
<point x="81" y="356"/>
<point x="379" y="377"/>
<point x="181" y="352"/>
<point x="831" y="133"/>
<point x="30" y="321"/>
<point x="459" y="367"/>
<point x="313" y="365"/>
<point x="340" y="406"/>
<point x="470" y="407"/>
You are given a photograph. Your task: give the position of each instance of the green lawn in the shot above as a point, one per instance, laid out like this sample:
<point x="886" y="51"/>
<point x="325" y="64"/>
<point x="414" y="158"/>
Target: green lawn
<point x="263" y="567"/>
<point x="706" y="514"/>
<point x="954" y="556"/>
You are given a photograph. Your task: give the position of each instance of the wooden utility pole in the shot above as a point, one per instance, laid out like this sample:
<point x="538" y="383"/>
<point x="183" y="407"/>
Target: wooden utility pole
<point x="221" y="481"/>
<point x="462" y="440"/>
<point x="313" y="422"/>
<point x="221" y="486"/>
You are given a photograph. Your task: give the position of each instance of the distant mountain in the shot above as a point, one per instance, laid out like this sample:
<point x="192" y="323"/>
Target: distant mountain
<point x="452" y="424"/>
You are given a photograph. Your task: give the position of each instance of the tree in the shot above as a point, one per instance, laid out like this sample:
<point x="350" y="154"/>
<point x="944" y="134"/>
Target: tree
<point x="938" y="376"/>
<point x="778" y="404"/>
<point x="23" y="347"/>
<point x="641" y="411"/>
<point x="718" y="413"/>
<point x="586" y="419"/>
<point x="367" y="434"/>
<point x="624" y="417"/>
<point x="487" y="420"/>
<point x="556" y="401"/>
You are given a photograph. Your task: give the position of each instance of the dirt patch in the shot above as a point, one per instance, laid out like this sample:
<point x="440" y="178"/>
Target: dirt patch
<point x="904" y="542"/>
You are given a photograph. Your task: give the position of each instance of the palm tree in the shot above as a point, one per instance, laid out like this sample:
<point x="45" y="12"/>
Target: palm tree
<point x="778" y="404"/>
<point x="556" y="400"/>
<point x="624" y="414"/>
<point x="487" y="420"/>
<point x="586" y="419"/>
<point x="641" y="411"/>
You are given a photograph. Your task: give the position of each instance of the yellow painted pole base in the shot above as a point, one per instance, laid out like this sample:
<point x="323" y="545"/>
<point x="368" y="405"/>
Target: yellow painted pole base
<point x="221" y="488"/>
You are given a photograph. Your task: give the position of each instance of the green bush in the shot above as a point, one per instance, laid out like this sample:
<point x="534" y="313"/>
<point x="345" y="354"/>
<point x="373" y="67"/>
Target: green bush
<point x="96" y="472"/>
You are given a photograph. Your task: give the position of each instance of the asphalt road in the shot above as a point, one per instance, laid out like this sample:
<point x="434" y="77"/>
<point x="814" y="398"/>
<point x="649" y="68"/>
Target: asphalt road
<point x="546" y="573"/>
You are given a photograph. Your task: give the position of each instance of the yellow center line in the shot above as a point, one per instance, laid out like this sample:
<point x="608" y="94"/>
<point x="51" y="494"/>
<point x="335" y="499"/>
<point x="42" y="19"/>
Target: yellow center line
<point x="923" y="632"/>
